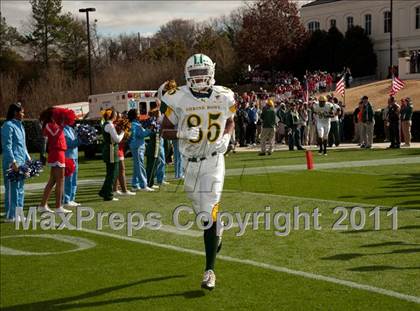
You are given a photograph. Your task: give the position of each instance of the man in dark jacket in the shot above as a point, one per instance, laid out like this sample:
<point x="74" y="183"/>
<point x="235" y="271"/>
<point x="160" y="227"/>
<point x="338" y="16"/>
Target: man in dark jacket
<point x="394" y="123"/>
<point x="368" y="120"/>
<point x="293" y="131"/>
<point x="242" y="121"/>
<point x="252" y="124"/>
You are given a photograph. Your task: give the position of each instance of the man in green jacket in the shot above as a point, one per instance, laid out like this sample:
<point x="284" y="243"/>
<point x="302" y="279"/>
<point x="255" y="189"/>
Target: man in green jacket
<point x="268" y="117"/>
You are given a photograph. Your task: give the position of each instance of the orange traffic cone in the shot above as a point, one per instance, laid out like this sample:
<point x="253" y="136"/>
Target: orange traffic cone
<point x="309" y="160"/>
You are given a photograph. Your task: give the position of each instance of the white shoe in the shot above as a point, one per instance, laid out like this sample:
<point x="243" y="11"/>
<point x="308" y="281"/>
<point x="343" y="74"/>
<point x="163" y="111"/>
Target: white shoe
<point x="118" y="192"/>
<point x="72" y="204"/>
<point x="62" y="210"/>
<point x="128" y="192"/>
<point x="147" y="189"/>
<point x="43" y="209"/>
<point x="115" y="199"/>
<point x="209" y="280"/>
<point x="155" y="187"/>
<point x="135" y="189"/>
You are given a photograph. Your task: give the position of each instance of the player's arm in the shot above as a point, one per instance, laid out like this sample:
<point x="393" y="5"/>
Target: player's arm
<point x="230" y="126"/>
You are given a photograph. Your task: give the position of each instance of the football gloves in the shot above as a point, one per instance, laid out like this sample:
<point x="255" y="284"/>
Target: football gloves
<point x="191" y="133"/>
<point x="223" y="143"/>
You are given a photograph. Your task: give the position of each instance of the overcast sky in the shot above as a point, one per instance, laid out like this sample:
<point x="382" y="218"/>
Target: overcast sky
<point x="115" y="17"/>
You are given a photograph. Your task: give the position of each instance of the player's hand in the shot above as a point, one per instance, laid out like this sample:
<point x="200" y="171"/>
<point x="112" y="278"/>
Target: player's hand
<point x="191" y="133"/>
<point x="223" y="143"/>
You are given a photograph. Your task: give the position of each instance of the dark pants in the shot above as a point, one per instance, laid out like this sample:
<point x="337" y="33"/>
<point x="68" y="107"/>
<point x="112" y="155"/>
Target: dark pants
<point x="394" y="134"/>
<point x="302" y="135"/>
<point x="334" y="135"/>
<point x="293" y="138"/>
<point x="251" y="130"/>
<point x="341" y="129"/>
<point x="111" y="176"/>
<point x="242" y="135"/>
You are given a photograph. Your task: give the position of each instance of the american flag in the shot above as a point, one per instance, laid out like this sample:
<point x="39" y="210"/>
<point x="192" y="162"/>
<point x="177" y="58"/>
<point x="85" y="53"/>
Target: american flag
<point x="340" y="88"/>
<point x="397" y="85"/>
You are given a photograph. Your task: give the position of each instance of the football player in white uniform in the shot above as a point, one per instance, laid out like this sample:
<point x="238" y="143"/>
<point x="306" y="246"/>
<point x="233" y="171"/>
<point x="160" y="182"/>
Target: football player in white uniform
<point x="200" y="115"/>
<point x="323" y="111"/>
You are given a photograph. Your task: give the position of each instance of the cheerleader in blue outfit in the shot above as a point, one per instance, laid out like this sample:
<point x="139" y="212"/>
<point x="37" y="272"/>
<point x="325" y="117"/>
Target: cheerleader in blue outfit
<point x="137" y="147"/>
<point x="15" y="154"/>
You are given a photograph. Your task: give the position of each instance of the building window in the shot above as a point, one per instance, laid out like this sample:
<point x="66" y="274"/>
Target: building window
<point x="418" y="17"/>
<point x="333" y="23"/>
<point x="387" y="22"/>
<point x="368" y="24"/>
<point x="313" y="26"/>
<point x="350" y="22"/>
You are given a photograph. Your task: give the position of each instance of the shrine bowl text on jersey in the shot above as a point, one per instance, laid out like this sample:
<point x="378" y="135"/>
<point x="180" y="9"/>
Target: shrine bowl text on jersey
<point x="209" y="114"/>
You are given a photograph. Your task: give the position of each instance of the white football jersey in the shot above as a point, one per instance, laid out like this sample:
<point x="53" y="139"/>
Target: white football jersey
<point x="325" y="113"/>
<point x="184" y="110"/>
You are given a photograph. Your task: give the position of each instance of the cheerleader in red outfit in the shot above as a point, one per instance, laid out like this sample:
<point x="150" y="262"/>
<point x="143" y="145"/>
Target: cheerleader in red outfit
<point x="53" y="121"/>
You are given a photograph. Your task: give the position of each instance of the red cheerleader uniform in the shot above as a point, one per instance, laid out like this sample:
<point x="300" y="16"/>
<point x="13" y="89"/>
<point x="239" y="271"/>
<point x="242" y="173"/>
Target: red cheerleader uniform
<point x="56" y="144"/>
<point x="121" y="150"/>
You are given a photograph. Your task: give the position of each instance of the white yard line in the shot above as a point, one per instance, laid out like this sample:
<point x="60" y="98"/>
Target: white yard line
<point x="306" y="198"/>
<point x="268" y="170"/>
<point x="320" y="166"/>
<point x="266" y="266"/>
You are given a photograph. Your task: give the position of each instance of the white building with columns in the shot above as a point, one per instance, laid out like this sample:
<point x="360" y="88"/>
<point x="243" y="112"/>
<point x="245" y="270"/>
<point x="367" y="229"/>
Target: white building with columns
<point x="375" y="17"/>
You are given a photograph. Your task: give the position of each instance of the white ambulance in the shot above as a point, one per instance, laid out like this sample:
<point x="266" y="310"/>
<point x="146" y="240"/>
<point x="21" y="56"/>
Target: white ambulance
<point x="144" y="101"/>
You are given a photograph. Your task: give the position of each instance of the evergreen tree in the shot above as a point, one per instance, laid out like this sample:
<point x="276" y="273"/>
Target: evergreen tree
<point x="44" y="28"/>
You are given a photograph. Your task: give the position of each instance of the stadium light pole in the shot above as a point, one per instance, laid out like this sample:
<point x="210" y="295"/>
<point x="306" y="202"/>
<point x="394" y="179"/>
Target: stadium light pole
<point x="87" y="10"/>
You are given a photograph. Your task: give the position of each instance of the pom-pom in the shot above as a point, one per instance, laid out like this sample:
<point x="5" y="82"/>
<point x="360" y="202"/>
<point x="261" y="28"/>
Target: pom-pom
<point x="86" y="134"/>
<point x="27" y="170"/>
<point x="123" y="124"/>
<point x="63" y="116"/>
<point x="70" y="167"/>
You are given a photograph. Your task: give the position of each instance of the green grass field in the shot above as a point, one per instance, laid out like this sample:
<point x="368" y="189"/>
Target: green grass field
<point x="311" y="269"/>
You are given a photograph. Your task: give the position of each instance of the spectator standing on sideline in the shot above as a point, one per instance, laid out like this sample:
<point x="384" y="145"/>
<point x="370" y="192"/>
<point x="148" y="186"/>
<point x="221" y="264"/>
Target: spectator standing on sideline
<point x="242" y="121"/>
<point x="334" y="134"/>
<point x="386" y="125"/>
<point x="406" y="120"/>
<point x="293" y="131"/>
<point x="357" y="113"/>
<point x="368" y="120"/>
<point x="72" y="152"/>
<point x="394" y="123"/>
<point x="268" y="118"/>
<point x="281" y="127"/>
<point x="15" y="154"/>
<point x="252" y="124"/>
